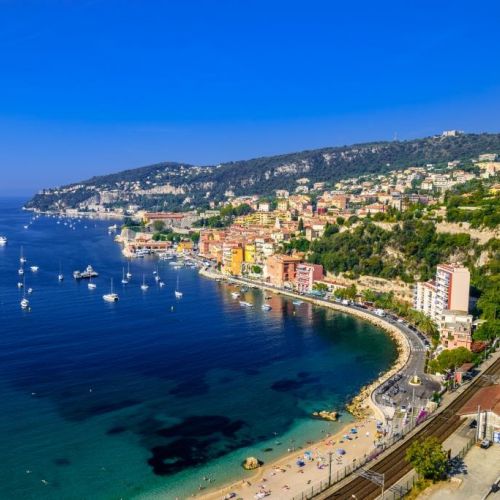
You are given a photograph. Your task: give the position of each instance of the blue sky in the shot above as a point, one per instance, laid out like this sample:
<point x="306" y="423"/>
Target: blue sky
<point x="89" y="87"/>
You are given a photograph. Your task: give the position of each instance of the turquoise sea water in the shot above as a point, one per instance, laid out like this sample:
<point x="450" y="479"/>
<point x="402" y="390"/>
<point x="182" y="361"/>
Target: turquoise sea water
<point x="145" y="397"/>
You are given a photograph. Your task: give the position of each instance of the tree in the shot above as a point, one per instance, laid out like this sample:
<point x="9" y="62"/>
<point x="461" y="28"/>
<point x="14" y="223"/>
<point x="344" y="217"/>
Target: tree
<point x="348" y="293"/>
<point x="451" y="359"/>
<point x="489" y="330"/>
<point x="158" y="226"/>
<point x="256" y="269"/>
<point x="330" y="229"/>
<point x="428" y="458"/>
<point x="301" y="225"/>
<point x="321" y="287"/>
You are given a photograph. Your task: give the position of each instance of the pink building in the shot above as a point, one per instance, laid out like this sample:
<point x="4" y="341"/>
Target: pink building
<point x="306" y="275"/>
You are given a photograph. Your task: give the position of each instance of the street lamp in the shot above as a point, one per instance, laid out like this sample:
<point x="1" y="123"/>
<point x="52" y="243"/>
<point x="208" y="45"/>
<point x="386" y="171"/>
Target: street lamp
<point x="330" y="469"/>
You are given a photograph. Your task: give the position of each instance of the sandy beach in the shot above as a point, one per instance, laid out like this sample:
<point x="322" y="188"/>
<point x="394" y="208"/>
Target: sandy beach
<point x="301" y="469"/>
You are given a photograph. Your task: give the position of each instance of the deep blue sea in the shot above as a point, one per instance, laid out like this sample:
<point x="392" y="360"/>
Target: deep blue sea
<point x="144" y="397"/>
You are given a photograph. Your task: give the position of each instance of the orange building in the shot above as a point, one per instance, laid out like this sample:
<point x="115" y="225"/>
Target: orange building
<point x="282" y="269"/>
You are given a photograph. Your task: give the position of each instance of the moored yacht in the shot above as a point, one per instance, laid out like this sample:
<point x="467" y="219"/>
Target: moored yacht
<point x="144" y="287"/>
<point x="87" y="274"/>
<point x="90" y="285"/>
<point x="3" y="241"/>
<point x="124" y="280"/>
<point x="178" y="293"/>
<point x="22" y="258"/>
<point x="24" y="301"/>
<point x="111" y="296"/>
<point x="34" y="269"/>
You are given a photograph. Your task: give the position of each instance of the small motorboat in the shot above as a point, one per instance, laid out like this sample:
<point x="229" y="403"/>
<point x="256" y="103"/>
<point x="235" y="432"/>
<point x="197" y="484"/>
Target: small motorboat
<point x="34" y="269"/>
<point x="266" y="307"/>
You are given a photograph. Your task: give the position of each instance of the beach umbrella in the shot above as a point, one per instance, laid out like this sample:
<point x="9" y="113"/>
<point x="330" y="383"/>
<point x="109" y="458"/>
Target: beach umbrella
<point x="300" y="463"/>
<point x="341" y="451"/>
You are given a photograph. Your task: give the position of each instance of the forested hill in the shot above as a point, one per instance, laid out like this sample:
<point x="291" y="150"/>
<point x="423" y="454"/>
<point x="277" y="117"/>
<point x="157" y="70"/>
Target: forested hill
<point x="175" y="185"/>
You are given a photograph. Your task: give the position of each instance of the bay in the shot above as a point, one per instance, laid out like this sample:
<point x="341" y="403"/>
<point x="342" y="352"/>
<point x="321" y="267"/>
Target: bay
<point x="144" y="397"/>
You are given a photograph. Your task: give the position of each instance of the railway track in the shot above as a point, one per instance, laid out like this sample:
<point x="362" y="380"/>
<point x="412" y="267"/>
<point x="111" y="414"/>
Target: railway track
<point x="394" y="465"/>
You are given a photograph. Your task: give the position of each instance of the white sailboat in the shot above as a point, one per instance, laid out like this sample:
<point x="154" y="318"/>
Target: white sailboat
<point x="111" y="296"/>
<point x="129" y="274"/>
<point x="3" y="241"/>
<point x="60" y="276"/>
<point x="25" y="303"/>
<point x="22" y="258"/>
<point x="124" y="280"/>
<point x="178" y="293"/>
<point x="144" y="287"/>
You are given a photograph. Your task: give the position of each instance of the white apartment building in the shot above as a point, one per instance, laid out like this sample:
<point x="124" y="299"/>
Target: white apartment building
<point x="424" y="299"/>
<point x="449" y="291"/>
<point x="452" y="288"/>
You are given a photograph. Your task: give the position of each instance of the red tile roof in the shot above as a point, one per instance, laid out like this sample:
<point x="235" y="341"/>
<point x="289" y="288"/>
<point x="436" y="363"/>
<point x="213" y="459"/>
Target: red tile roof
<point x="487" y="398"/>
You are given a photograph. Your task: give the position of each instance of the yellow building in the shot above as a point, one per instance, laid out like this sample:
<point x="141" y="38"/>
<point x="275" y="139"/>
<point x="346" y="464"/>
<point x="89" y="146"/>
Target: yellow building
<point x="232" y="259"/>
<point x="250" y="253"/>
<point x="236" y="261"/>
<point x="184" y="246"/>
